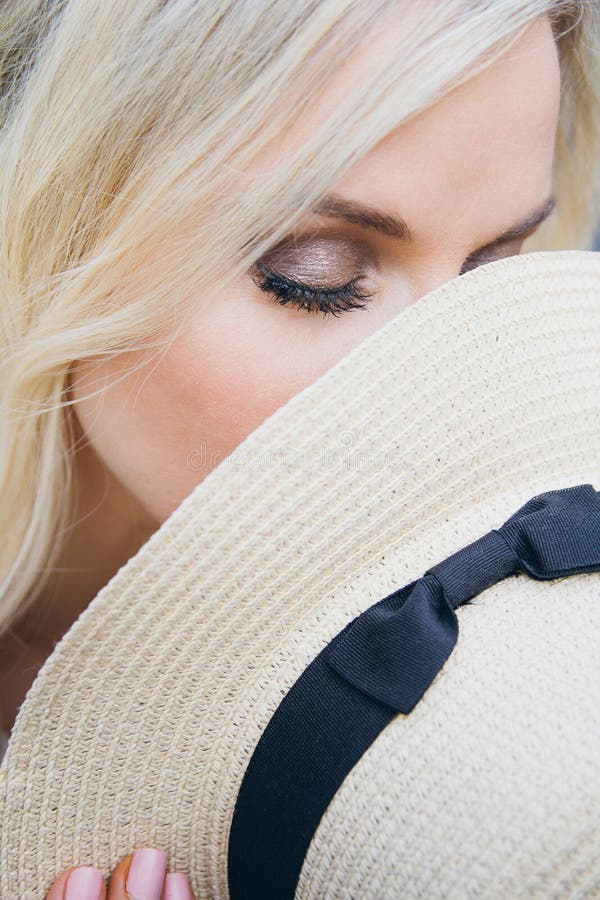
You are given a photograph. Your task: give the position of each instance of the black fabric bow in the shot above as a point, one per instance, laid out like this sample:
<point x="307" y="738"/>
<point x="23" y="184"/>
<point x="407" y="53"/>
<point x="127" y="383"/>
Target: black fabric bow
<point x="393" y="651"/>
<point x="381" y="663"/>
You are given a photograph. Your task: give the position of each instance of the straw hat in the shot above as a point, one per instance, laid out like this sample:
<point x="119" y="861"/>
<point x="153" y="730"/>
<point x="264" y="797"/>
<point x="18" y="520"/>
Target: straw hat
<point x="238" y="695"/>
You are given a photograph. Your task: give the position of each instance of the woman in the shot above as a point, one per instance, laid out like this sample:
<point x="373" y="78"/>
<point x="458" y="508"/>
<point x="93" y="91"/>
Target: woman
<point x="162" y="239"/>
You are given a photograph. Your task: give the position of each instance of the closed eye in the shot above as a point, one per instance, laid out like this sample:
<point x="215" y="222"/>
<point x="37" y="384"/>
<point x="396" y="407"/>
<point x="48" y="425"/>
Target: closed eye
<point x="312" y="299"/>
<point x="481" y="257"/>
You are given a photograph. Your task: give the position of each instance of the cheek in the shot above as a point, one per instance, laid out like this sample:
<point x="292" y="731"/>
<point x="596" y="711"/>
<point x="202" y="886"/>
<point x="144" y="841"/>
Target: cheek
<point x="231" y="367"/>
<point x="163" y="428"/>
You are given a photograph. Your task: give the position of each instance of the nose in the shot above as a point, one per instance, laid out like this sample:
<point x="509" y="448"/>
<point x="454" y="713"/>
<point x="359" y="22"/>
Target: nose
<point x="426" y="278"/>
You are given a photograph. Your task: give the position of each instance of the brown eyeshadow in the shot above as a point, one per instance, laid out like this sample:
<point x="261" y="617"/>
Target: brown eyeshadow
<point x="319" y="259"/>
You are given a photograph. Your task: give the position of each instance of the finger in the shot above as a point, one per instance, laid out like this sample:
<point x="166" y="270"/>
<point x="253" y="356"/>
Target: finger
<point x="177" y="887"/>
<point x="139" y="876"/>
<point x="118" y="878"/>
<point x="78" y="883"/>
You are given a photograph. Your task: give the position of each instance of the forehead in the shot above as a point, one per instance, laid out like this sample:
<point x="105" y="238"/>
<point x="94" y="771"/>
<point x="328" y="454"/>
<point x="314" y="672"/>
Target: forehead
<point x="489" y="140"/>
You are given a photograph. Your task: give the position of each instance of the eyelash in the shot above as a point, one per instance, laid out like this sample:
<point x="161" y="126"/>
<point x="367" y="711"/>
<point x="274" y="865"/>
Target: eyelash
<point x="332" y="301"/>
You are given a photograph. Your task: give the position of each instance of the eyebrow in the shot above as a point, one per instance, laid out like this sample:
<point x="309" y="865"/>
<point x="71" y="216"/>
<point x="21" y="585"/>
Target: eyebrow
<point x="334" y="206"/>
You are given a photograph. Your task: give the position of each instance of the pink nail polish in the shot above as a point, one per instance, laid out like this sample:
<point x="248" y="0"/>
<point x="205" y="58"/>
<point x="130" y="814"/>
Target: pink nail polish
<point x="177" y="887"/>
<point x="84" y="883"/>
<point x="146" y="875"/>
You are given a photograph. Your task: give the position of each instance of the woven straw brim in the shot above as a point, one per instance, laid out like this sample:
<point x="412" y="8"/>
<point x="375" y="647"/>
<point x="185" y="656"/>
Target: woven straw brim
<point x="139" y="727"/>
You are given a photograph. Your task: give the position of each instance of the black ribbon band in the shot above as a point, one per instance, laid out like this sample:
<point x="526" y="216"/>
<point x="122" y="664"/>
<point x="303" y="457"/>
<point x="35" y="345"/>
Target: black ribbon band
<point x="380" y="664"/>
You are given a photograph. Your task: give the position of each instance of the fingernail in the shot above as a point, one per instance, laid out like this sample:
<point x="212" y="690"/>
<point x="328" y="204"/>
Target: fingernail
<point x="84" y="883"/>
<point x="146" y="875"/>
<point x="177" y="887"/>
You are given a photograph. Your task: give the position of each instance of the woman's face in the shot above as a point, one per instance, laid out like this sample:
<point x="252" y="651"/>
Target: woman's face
<point x="464" y="171"/>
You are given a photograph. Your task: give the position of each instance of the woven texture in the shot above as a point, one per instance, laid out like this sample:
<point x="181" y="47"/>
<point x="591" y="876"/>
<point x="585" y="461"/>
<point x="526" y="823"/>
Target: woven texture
<point x="139" y="726"/>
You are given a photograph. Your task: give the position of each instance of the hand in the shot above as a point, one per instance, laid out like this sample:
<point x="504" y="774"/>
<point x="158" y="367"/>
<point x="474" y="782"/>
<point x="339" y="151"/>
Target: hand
<point x="141" y="875"/>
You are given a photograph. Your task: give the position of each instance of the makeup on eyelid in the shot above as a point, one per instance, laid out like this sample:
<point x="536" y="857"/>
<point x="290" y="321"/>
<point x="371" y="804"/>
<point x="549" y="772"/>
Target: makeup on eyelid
<point x="316" y="273"/>
<point x="328" y="261"/>
<point x="324" y="272"/>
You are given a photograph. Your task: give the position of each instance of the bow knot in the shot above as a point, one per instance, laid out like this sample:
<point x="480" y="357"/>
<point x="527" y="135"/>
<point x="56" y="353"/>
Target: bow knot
<point x="395" y="648"/>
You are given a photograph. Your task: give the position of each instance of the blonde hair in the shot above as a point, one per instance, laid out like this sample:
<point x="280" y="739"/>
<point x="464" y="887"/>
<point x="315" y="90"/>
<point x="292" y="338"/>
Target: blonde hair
<point x="128" y="131"/>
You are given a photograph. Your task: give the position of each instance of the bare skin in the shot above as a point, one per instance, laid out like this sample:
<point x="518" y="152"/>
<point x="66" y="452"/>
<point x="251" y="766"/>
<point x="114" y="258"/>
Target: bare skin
<point x="462" y="172"/>
<point x="175" y="886"/>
